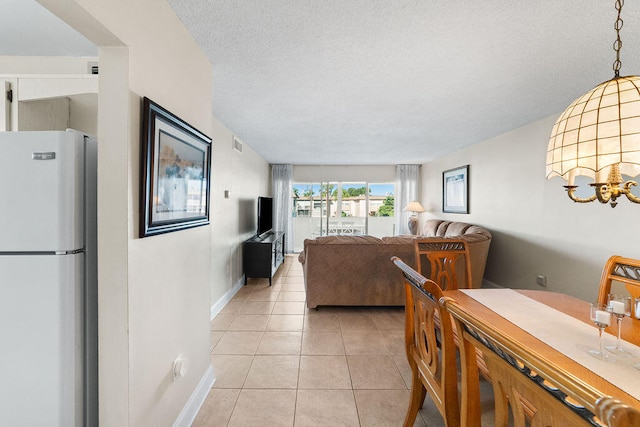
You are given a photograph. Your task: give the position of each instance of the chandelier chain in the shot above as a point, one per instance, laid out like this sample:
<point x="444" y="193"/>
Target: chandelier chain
<point x="617" y="45"/>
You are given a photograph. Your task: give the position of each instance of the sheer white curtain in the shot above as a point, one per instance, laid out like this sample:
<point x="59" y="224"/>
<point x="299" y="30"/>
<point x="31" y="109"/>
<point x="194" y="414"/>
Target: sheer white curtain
<point x="407" y="183"/>
<point x="282" y="182"/>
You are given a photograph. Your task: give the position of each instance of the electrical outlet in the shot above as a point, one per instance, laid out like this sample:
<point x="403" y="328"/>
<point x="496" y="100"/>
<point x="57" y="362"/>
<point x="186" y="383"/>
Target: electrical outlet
<point x="541" y="280"/>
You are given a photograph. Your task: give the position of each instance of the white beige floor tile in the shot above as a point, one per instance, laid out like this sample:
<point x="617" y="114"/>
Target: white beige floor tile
<point x="221" y="322"/>
<point x="285" y="322"/>
<point x="322" y="343"/>
<point x="389" y="319"/>
<point x="249" y="322"/>
<point x="324" y="372"/>
<point x="273" y="372"/>
<point x="267" y="294"/>
<point x="238" y="343"/>
<point x="364" y="343"/>
<point x="374" y="373"/>
<point x="326" y="408"/>
<point x="230" y="370"/>
<point x="295" y="272"/>
<point x="403" y="366"/>
<point x="292" y="296"/>
<point x="393" y="342"/>
<point x="322" y="321"/>
<point x="242" y="294"/>
<point x="280" y="343"/>
<point x="336" y="366"/>
<point x="293" y="285"/>
<point x="383" y="408"/>
<point x="214" y="337"/>
<point x="286" y="307"/>
<point x="217" y="408"/>
<point x="273" y="408"/>
<point x="257" y="307"/>
<point x="232" y="307"/>
<point x="356" y="323"/>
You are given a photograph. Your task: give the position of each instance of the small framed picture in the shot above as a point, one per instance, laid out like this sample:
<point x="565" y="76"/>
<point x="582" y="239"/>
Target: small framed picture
<point x="176" y="161"/>
<point x="455" y="190"/>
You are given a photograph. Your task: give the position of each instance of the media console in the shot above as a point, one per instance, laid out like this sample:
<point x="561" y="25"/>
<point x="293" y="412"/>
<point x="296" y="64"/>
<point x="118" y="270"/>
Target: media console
<point x="262" y="255"/>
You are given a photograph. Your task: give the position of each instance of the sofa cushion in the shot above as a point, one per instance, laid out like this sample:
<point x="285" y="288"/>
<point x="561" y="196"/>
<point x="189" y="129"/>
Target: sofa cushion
<point x="346" y="240"/>
<point x="476" y="233"/>
<point x="398" y="240"/>
<point x="430" y="228"/>
<point x="456" y="229"/>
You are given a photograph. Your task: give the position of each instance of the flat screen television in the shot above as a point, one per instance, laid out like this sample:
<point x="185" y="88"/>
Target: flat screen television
<point x="265" y="215"/>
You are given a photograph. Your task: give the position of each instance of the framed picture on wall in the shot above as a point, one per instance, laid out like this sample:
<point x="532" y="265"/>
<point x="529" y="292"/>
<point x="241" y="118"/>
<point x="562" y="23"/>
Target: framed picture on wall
<point x="176" y="162"/>
<point x="455" y="190"/>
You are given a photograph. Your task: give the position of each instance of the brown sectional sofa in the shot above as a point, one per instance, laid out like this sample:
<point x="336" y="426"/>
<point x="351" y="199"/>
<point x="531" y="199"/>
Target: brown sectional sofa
<point x="356" y="270"/>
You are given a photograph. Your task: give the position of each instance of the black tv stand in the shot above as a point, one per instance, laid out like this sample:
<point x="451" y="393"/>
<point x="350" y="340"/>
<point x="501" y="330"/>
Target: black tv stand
<point x="261" y="237"/>
<point x="262" y="255"/>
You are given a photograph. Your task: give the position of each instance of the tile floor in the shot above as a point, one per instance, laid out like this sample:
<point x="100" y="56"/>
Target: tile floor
<point x="279" y="364"/>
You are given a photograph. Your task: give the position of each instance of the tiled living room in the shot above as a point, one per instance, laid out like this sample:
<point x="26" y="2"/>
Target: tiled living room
<point x="278" y="363"/>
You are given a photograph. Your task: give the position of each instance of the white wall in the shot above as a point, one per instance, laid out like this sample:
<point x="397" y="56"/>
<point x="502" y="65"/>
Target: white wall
<point x="374" y="174"/>
<point x="155" y="293"/>
<point x="536" y="228"/>
<point x="246" y="176"/>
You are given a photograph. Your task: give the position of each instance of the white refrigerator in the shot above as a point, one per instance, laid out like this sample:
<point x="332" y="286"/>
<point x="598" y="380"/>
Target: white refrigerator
<point x="48" y="279"/>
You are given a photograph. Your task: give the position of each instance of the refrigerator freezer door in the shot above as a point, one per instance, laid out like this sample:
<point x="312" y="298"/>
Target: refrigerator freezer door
<point x="42" y="192"/>
<point x="41" y="329"/>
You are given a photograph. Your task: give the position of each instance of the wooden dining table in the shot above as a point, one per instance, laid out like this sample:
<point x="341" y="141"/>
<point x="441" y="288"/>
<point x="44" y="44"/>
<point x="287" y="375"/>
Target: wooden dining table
<point x="574" y="307"/>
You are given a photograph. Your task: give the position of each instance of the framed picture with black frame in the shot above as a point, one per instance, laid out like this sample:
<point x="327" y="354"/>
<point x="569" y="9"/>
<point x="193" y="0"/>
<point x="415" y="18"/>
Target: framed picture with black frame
<point x="176" y="162"/>
<point x="455" y="190"/>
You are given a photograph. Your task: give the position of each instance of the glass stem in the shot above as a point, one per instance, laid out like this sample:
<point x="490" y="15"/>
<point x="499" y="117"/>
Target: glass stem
<point x="619" y="328"/>
<point x="600" y="330"/>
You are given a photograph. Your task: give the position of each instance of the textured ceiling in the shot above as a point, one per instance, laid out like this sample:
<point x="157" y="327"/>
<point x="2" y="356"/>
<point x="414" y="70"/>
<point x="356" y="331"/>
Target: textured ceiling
<point x="379" y="81"/>
<point x="399" y="81"/>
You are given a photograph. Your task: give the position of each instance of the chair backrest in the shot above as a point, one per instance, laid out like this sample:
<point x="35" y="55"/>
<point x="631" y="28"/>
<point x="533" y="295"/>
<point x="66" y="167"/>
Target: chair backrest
<point x="614" y="413"/>
<point x="538" y="393"/>
<point x="445" y="261"/>
<point x="622" y="270"/>
<point x="432" y="360"/>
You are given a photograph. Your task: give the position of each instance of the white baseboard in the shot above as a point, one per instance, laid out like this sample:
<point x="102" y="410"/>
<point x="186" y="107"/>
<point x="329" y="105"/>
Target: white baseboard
<point x="199" y="395"/>
<point x="219" y="305"/>
<point x="190" y="410"/>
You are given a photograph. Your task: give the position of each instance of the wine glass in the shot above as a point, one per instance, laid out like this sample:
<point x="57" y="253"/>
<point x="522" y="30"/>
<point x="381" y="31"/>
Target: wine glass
<point x="601" y="316"/>
<point x="619" y="306"/>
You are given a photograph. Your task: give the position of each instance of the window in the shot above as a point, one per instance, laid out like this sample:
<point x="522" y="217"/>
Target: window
<point x="342" y="208"/>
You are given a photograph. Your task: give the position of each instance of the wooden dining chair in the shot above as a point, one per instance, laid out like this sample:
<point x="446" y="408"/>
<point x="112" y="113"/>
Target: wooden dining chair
<point x="445" y="261"/>
<point x="614" y="413"/>
<point x="432" y="359"/>
<point x="621" y="270"/>
<point x="528" y="390"/>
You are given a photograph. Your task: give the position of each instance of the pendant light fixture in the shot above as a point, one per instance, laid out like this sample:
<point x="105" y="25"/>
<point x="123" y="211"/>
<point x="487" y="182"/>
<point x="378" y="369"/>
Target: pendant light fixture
<point x="598" y="136"/>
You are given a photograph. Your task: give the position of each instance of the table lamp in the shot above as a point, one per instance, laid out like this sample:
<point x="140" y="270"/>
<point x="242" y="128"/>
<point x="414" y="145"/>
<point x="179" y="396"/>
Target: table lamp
<point x="415" y="208"/>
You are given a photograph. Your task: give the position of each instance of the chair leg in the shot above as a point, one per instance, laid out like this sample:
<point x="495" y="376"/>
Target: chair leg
<point x="418" y="394"/>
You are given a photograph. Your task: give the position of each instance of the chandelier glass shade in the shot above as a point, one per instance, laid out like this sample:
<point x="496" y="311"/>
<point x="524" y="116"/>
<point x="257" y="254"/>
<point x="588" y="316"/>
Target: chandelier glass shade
<point x="598" y="136"/>
<point x="598" y="130"/>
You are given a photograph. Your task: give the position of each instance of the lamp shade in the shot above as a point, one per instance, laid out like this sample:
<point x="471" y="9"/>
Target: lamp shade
<point x="598" y="130"/>
<point x="414" y="207"/>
